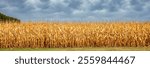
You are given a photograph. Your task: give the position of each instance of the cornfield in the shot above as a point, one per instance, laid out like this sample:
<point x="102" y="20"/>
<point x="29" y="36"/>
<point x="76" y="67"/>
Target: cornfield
<point x="70" y="35"/>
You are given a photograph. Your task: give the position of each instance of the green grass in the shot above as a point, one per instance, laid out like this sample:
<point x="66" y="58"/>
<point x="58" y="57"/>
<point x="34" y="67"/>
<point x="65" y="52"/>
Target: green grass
<point x="79" y="49"/>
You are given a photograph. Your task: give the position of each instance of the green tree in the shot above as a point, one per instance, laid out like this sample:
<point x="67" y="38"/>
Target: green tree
<point x="8" y="19"/>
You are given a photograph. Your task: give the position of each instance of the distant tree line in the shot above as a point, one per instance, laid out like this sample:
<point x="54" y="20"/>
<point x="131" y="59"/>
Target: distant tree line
<point x="8" y="19"/>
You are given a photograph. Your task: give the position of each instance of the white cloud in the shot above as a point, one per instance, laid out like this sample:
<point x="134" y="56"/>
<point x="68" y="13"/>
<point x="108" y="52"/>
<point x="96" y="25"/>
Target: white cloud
<point x="128" y="5"/>
<point x="78" y="12"/>
<point x="10" y="8"/>
<point x="103" y="11"/>
<point x="61" y="3"/>
<point x="34" y="4"/>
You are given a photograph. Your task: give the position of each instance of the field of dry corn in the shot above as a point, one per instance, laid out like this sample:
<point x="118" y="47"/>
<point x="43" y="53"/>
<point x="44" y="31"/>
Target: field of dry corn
<point x="74" y="35"/>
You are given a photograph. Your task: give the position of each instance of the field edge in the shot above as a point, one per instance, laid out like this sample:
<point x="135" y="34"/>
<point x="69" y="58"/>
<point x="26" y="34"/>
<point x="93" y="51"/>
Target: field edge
<point x="79" y="49"/>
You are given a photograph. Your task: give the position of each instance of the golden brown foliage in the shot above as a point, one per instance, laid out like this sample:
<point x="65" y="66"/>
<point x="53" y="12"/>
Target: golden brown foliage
<point x="63" y="35"/>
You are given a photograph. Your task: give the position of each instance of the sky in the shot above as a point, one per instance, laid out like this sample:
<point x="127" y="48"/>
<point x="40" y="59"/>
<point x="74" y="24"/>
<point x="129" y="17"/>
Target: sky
<point x="77" y="10"/>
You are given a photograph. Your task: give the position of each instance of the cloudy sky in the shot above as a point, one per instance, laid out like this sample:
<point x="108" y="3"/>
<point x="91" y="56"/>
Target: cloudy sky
<point x="77" y="10"/>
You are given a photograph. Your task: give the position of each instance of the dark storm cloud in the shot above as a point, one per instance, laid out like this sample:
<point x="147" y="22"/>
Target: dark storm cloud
<point x="76" y="10"/>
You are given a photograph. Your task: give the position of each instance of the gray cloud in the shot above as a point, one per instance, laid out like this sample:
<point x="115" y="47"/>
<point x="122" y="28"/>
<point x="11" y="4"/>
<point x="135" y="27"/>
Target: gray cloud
<point x="76" y="10"/>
